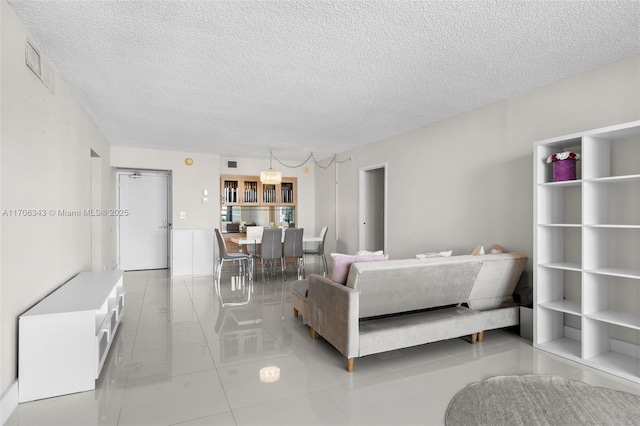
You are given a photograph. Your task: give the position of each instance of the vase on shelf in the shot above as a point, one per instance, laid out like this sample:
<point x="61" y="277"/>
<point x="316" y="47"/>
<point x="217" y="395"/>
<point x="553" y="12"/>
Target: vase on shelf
<point x="564" y="165"/>
<point x="564" y="170"/>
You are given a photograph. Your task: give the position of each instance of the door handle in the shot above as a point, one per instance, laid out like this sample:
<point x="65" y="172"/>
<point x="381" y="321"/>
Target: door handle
<point x="162" y="227"/>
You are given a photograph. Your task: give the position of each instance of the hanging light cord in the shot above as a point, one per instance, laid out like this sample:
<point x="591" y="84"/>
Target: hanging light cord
<point x="311" y="157"/>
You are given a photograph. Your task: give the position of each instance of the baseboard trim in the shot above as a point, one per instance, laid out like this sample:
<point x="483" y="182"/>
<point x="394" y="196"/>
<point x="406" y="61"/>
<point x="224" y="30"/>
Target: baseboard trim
<point x="8" y="402"/>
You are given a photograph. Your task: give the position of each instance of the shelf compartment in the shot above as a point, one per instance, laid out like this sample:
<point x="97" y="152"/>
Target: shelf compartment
<point x="613" y="201"/>
<point x="552" y="335"/>
<point x="612" y="251"/>
<point x="625" y="152"/>
<point x="612" y="300"/>
<point x="269" y="194"/>
<point x="561" y="246"/>
<point x="230" y="192"/>
<point x="543" y="151"/>
<point x="560" y="289"/>
<point x="250" y="192"/>
<point x="612" y="348"/>
<point x="559" y="203"/>
<point x="618" y="364"/>
<point x="563" y="346"/>
<point x="287" y="193"/>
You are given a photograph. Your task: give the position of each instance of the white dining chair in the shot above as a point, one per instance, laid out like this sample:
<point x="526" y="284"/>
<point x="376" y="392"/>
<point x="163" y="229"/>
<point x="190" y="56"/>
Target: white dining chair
<point x="319" y="250"/>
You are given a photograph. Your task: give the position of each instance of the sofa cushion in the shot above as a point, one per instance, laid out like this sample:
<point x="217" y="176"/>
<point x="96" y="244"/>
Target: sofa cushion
<point x="497" y="280"/>
<point x="411" y="329"/>
<point x="409" y="284"/>
<point x="342" y="263"/>
<point x="301" y="287"/>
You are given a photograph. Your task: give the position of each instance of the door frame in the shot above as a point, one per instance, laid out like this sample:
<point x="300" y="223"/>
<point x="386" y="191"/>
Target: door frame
<point x="148" y="172"/>
<point x="362" y="202"/>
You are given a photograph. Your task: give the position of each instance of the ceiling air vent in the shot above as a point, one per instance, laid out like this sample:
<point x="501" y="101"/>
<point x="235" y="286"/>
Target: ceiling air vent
<point x="232" y="164"/>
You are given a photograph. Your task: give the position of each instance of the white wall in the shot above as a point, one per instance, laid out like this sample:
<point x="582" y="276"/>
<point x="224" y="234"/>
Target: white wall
<point x="46" y="141"/>
<point x="188" y="182"/>
<point x="467" y="180"/>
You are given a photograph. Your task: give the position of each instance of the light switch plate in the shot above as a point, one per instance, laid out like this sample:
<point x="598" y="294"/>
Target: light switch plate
<point x="183" y="215"/>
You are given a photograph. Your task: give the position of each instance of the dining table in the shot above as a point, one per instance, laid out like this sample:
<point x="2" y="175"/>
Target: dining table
<point x="243" y="241"/>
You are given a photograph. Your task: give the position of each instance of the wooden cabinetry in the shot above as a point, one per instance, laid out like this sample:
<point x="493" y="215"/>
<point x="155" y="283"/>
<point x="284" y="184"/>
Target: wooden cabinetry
<point x="586" y="245"/>
<point x="248" y="190"/>
<point x="65" y="338"/>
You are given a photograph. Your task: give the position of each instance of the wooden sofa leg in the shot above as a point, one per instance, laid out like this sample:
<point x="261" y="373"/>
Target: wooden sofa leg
<point x="312" y="332"/>
<point x="350" y="365"/>
<point x="474" y="336"/>
<point x="481" y="336"/>
<point x="295" y="312"/>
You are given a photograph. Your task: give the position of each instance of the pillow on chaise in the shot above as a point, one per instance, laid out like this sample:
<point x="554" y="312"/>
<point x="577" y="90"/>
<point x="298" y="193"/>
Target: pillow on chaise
<point x="434" y="254"/>
<point x="342" y="263"/>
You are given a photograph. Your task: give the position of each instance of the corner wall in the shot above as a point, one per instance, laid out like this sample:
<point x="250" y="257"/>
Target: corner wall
<point x="468" y="180"/>
<point x="46" y="141"/>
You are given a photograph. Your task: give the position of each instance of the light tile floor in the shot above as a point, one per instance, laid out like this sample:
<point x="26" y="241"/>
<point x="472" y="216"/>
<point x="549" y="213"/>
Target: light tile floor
<point x="190" y="351"/>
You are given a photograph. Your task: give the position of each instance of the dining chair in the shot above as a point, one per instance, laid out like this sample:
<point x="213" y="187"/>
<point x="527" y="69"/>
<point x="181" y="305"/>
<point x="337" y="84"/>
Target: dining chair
<point x="253" y="233"/>
<point x="293" y="249"/>
<point x="271" y="249"/>
<point x="319" y="251"/>
<point x="224" y="256"/>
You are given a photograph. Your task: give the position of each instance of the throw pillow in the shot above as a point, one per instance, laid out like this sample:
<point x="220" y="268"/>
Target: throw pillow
<point x="478" y="250"/>
<point x="434" y="254"/>
<point x="342" y="263"/>
<point x="496" y="249"/>
<point x="369" y="253"/>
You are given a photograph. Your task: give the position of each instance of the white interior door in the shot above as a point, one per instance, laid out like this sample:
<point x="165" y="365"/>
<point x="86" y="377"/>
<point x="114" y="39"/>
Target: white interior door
<point x="374" y="210"/>
<point x="372" y="214"/>
<point x="144" y="228"/>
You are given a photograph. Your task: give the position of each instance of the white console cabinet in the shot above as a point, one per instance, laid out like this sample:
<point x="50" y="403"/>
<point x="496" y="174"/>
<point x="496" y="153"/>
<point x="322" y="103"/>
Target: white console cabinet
<point x="65" y="338"/>
<point x="192" y="252"/>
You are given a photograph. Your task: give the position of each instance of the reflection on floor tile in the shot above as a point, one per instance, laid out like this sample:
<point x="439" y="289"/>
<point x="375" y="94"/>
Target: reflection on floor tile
<point x="190" y="351"/>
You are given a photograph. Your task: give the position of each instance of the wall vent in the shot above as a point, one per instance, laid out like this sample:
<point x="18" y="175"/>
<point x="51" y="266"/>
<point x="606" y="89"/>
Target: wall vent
<point x="40" y="66"/>
<point x="32" y="58"/>
<point x="232" y="164"/>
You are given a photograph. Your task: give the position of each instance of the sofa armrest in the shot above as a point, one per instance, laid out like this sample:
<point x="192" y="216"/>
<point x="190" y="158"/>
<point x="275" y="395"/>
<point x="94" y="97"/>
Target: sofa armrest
<point x="333" y="313"/>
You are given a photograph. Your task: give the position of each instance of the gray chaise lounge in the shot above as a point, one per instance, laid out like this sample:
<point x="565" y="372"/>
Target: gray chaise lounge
<point x="400" y="303"/>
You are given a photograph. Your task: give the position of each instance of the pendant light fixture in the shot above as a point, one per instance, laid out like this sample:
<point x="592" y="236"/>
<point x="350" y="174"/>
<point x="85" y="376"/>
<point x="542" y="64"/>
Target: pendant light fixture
<point x="270" y="177"/>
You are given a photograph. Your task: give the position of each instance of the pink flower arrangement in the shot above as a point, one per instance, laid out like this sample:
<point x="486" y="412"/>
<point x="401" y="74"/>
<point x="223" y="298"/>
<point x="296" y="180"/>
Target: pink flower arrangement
<point x="566" y="155"/>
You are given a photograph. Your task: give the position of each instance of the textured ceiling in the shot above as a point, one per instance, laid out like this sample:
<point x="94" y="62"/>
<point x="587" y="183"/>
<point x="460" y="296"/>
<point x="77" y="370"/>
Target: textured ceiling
<point x="240" y="77"/>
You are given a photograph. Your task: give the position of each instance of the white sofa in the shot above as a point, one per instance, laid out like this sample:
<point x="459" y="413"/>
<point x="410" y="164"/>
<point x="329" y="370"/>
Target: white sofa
<point x="387" y="305"/>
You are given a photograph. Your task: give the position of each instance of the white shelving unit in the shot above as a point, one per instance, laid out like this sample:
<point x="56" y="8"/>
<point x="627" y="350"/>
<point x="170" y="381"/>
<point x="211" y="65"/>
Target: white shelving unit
<point x="65" y="338"/>
<point x="587" y="251"/>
